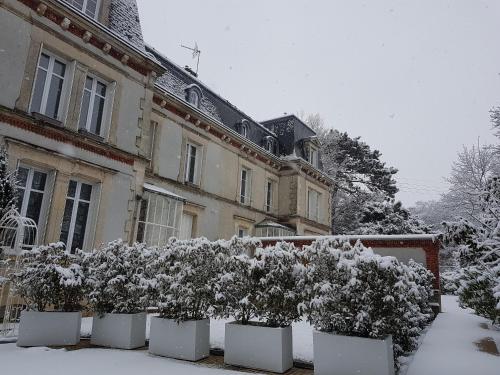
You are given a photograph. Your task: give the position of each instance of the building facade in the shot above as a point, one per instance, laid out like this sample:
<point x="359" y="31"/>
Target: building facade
<point x="113" y="140"/>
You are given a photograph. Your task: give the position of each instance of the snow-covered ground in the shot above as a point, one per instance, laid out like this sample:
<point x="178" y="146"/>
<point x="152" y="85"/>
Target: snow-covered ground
<point x="302" y="336"/>
<point x="44" y="361"/>
<point x="449" y="347"/>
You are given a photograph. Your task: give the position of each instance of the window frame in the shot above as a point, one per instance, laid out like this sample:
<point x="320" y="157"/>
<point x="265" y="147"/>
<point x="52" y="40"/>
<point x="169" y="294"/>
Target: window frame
<point x="84" y="10"/>
<point x="90" y="214"/>
<point x="107" y="105"/>
<point x="313" y="156"/>
<point x="245" y="197"/>
<point x="197" y="163"/>
<point x="245" y="231"/>
<point x="269" y="195"/>
<point x="65" y="89"/>
<point x="315" y="215"/>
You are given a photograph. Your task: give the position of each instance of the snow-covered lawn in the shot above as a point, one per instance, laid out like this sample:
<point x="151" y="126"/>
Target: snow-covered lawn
<point x="449" y="347"/>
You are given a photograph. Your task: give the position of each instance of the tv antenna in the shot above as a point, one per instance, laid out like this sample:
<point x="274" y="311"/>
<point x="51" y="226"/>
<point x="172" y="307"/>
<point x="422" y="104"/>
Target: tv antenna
<point x="196" y="54"/>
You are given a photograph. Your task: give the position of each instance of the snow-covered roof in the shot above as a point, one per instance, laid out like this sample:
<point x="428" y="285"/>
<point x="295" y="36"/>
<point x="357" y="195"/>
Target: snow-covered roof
<point x="353" y="237"/>
<point x="124" y="20"/>
<point x="273" y="224"/>
<point x="160" y="190"/>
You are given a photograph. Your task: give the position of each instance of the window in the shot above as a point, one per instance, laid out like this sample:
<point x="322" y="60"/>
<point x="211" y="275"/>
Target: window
<point x="244" y="130"/>
<point x="192" y="163"/>
<point x="93" y="109"/>
<point x="74" y="226"/>
<point x="31" y="187"/>
<point x="245" y="186"/>
<point x="242" y="232"/>
<point x="187" y="226"/>
<point x="89" y="7"/>
<point x="313" y="198"/>
<point x="269" y="144"/>
<point x="49" y="83"/>
<point x="159" y="219"/>
<point x="269" y="195"/>
<point x="313" y="156"/>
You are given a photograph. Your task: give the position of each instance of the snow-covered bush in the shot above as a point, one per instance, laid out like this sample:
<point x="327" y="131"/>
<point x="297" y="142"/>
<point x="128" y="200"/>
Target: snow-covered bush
<point x="116" y="278"/>
<point x="424" y="280"/>
<point x="8" y="190"/>
<point x="50" y="277"/>
<point x="184" y="279"/>
<point x="264" y="287"/>
<point x="352" y="291"/>
<point x="450" y="282"/>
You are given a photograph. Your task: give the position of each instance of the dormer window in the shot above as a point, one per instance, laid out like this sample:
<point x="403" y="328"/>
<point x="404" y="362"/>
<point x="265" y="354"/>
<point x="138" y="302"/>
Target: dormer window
<point x="244" y="128"/>
<point x="193" y="95"/>
<point x="89" y="7"/>
<point x="269" y="144"/>
<point x="313" y="156"/>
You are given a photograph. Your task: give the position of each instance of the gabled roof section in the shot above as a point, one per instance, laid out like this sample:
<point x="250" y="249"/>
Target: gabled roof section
<point x="124" y="20"/>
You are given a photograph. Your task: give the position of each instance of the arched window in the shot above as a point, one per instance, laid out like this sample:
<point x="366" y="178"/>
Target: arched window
<point x="244" y="128"/>
<point x="269" y="143"/>
<point x="193" y="95"/>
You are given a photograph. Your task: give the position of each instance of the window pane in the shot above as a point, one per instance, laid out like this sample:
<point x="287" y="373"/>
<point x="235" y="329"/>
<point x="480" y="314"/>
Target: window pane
<point x="192" y="163"/>
<point x="171" y="214"/>
<point x="77" y="3"/>
<point x="152" y="207"/>
<point x="54" y="97"/>
<point x="39" y="179"/>
<point x="71" y="188"/>
<point x="101" y="89"/>
<point x="80" y="226"/>
<point x="88" y="83"/>
<point x="143" y="210"/>
<point x="36" y="101"/>
<point x="22" y="176"/>
<point x="85" y="192"/>
<point x="59" y="68"/>
<point x="19" y="204"/>
<point x="85" y="109"/>
<point x="68" y="210"/>
<point x="97" y="113"/>
<point x="91" y="8"/>
<point x="44" y="61"/>
<point x="166" y="211"/>
<point x="34" y="206"/>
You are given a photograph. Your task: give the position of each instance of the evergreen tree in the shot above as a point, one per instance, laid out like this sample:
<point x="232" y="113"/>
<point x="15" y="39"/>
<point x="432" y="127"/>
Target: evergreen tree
<point x="8" y="192"/>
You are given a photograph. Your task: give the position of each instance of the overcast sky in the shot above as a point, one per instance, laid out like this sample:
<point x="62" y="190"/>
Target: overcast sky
<point x="415" y="79"/>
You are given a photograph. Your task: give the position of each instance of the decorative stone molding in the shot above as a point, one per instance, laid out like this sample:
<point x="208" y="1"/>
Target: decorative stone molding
<point x="41" y="9"/>
<point x="198" y="122"/>
<point x="125" y="59"/>
<point x="106" y="48"/>
<point x="86" y="36"/>
<point x="163" y="103"/>
<point x="187" y="117"/>
<point x="65" y="23"/>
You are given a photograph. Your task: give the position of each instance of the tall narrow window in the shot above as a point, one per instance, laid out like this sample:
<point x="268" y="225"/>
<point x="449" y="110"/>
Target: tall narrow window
<point x="269" y="196"/>
<point x="31" y="187"/>
<point x="313" y="198"/>
<point x="76" y="215"/>
<point x="192" y="156"/>
<point x="93" y="105"/>
<point x="313" y="156"/>
<point x="89" y="7"/>
<point x="49" y="84"/>
<point x="242" y="232"/>
<point x="245" y="186"/>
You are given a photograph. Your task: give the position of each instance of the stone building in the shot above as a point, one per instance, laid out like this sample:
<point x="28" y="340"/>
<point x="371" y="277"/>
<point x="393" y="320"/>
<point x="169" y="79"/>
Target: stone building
<point x="112" y="140"/>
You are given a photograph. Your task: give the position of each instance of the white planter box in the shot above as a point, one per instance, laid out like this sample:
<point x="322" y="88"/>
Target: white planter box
<point x="349" y="355"/>
<point x="188" y="340"/>
<point x="258" y="347"/>
<point x="49" y="328"/>
<point x="122" y="331"/>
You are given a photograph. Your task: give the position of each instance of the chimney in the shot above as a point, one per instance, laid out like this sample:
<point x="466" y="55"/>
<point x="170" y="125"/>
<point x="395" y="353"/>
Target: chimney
<point x="190" y="71"/>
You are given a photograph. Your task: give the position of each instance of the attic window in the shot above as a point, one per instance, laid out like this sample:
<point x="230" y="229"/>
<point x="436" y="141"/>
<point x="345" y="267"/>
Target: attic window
<point x="244" y="128"/>
<point x="193" y="95"/>
<point x="269" y="144"/>
<point x="89" y="7"/>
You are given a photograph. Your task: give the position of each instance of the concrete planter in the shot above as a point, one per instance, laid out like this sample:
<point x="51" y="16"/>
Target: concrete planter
<point x="188" y="340"/>
<point x="349" y="355"/>
<point x="49" y="328"/>
<point x="258" y="347"/>
<point x="122" y="331"/>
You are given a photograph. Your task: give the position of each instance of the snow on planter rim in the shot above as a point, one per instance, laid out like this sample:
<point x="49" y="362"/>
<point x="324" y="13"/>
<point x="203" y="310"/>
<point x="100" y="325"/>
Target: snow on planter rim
<point x="353" y="237"/>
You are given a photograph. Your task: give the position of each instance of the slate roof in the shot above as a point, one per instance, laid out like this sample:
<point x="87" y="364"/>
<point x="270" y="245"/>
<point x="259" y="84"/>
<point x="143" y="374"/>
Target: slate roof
<point x="176" y="80"/>
<point x="124" y="20"/>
